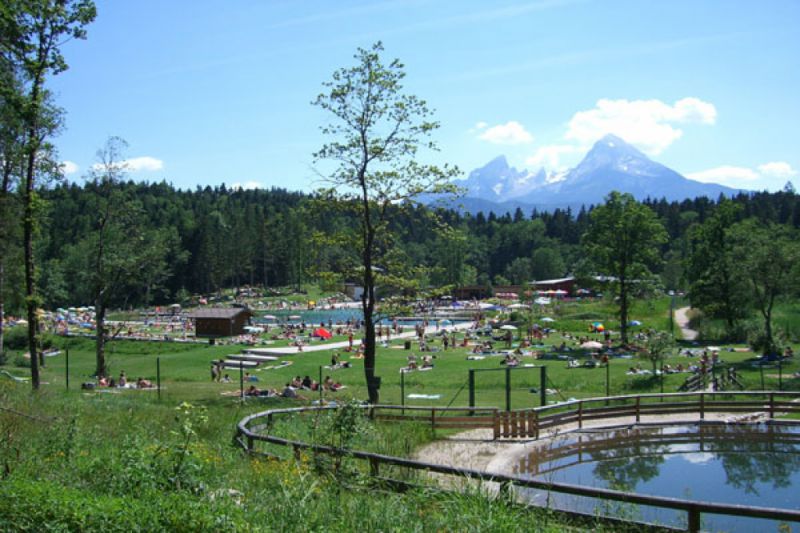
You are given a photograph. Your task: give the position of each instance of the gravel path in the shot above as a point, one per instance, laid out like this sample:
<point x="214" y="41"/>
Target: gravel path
<point x="321" y="346"/>
<point x="682" y="320"/>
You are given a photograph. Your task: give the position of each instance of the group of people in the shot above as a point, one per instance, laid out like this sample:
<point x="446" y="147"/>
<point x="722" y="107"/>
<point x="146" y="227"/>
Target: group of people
<point x="217" y="368"/>
<point x="412" y="364"/>
<point x="290" y="390"/>
<point x="123" y="382"/>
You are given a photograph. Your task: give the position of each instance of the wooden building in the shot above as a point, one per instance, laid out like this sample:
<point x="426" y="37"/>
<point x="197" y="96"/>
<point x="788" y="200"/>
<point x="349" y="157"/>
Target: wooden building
<point x="220" y="322"/>
<point x="561" y="284"/>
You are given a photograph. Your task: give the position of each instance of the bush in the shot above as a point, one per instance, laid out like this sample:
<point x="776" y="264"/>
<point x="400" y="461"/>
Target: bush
<point x="3" y="358"/>
<point x="16" y="338"/>
<point x="22" y="361"/>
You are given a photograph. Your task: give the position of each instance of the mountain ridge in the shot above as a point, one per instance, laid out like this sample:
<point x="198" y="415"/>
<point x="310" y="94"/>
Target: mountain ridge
<point x="611" y="164"/>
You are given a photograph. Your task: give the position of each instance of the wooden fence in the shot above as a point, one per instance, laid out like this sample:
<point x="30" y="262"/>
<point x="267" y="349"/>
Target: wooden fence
<point x="532" y="422"/>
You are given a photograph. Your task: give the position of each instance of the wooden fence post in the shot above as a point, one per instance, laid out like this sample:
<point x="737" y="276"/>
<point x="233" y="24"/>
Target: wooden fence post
<point x="694" y="520"/>
<point x="702" y="406"/>
<point x="772" y="405"/>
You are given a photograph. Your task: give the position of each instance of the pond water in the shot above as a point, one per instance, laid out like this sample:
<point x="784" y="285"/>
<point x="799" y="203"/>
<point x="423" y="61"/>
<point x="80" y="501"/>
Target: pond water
<point x="747" y="464"/>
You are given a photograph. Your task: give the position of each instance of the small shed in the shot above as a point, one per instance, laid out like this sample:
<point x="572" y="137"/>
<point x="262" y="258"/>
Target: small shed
<point x="220" y="322"/>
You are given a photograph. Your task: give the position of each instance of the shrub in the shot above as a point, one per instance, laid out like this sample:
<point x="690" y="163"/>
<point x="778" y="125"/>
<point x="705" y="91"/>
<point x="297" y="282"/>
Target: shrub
<point x="16" y="338"/>
<point x="22" y="362"/>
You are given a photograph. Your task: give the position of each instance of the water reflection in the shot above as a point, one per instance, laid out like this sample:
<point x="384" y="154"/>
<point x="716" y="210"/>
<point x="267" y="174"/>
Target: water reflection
<point x="744" y="464"/>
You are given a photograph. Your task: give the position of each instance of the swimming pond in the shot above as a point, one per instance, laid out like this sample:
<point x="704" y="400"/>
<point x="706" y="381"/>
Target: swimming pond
<point x="746" y="464"/>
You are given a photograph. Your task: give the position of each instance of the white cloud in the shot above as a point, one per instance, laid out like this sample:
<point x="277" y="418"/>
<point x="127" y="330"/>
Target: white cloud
<point x="147" y="163"/>
<point x="249" y="185"/>
<point x="135" y="164"/>
<point x="68" y="167"/>
<point x="550" y="156"/>
<point x="647" y="124"/>
<point x="511" y="132"/>
<point x="770" y="176"/>
<point x="477" y="127"/>
<point x="777" y="169"/>
<point x="698" y="458"/>
<point x="725" y="175"/>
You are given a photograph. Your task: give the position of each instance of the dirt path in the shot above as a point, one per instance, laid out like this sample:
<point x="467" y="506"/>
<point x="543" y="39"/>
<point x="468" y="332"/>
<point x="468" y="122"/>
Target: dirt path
<point x="682" y="320"/>
<point x="291" y="350"/>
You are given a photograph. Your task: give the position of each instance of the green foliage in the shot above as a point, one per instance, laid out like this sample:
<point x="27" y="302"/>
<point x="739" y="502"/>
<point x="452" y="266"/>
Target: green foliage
<point x="658" y="344"/>
<point x="769" y="256"/>
<point x="376" y="133"/>
<point x="623" y="241"/>
<point x="717" y="281"/>
<point x="33" y="505"/>
<point x="16" y="338"/>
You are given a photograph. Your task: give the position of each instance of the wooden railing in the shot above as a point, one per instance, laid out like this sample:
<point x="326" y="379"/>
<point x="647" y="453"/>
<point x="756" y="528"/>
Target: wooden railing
<point x="531" y="423"/>
<point x="256" y="428"/>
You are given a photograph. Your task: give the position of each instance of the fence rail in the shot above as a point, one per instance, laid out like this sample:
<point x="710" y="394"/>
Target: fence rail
<point x="531" y="422"/>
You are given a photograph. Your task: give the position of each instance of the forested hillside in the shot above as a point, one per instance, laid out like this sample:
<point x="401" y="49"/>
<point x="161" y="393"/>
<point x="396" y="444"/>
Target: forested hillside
<point x="198" y="241"/>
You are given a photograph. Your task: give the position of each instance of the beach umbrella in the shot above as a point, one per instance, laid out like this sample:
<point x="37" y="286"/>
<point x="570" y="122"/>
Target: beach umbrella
<point x="322" y="333"/>
<point x="508" y="327"/>
<point x="592" y="345"/>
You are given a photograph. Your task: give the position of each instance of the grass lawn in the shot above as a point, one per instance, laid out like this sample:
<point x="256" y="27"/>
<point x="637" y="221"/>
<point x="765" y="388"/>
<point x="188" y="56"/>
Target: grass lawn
<point x="125" y="460"/>
<point x="185" y="368"/>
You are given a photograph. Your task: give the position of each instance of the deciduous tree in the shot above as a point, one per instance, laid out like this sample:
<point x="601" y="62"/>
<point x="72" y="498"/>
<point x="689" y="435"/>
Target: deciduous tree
<point x="718" y="284"/>
<point x="623" y="242"/>
<point x="769" y="257"/>
<point x="375" y="136"/>
<point x="31" y="35"/>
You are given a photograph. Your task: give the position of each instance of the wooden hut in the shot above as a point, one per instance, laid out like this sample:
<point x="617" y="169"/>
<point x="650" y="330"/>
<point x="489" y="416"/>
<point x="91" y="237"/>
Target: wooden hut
<point x="220" y="322"/>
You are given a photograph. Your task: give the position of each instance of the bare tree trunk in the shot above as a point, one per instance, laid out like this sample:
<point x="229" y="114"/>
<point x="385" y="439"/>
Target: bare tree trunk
<point x="30" y="274"/>
<point x="623" y="309"/>
<point x="2" y="302"/>
<point x="100" y="319"/>
<point x="368" y="298"/>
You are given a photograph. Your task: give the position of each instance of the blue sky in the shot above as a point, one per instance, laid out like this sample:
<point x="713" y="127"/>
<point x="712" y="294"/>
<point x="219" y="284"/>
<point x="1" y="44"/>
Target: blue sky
<point x="211" y="92"/>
